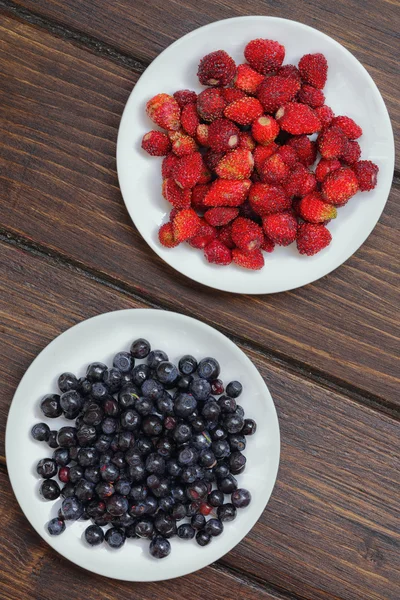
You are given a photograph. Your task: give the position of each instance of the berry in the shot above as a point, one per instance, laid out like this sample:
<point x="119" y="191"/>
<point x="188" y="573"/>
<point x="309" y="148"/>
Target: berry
<point x="190" y="119"/>
<point x="187" y="364"/>
<point x="71" y="509"/>
<point x="216" y="69"/>
<point x="227" y="484"/>
<point x="223" y="135"/>
<point x="184" y="97"/>
<point x="198" y="194"/>
<point x="246" y="234"/>
<point x="226" y="512"/>
<point x="67" y="382"/>
<point x="351" y="153"/>
<point x="156" y="143"/>
<point x="208" y="368"/>
<point x="288" y="155"/>
<point x="164" y="111"/>
<point x="188" y="171"/>
<point x="274" y="169"/>
<point x="314" y="210"/>
<point x="210" y="105"/>
<point x="325" y="114"/>
<point x="289" y="71"/>
<point x="305" y="149"/>
<point x="50" y="490"/>
<point x="249" y="427"/>
<point x="367" y="174"/>
<point x="185" y="225"/>
<point x="225" y="192"/>
<point x="314" y="69"/>
<point x="264" y="130"/>
<point x="268" y="245"/>
<point x="300" y="181"/>
<point x="247" y="79"/>
<point x="297" y="119"/>
<point x="225" y="236"/>
<point x="159" y="547"/>
<point x="203" y="538"/>
<point x="276" y="90"/>
<point x="311" y="95"/>
<point x="234" y="389"/>
<point x="144" y="528"/>
<point x="115" y="537"/>
<point x="186" y="532"/>
<point x="50" y="406"/>
<point x="220" y="215"/>
<point x="47" y="468"/>
<point x="339" y="186"/>
<point x="237" y="164"/>
<point x="241" y="498"/>
<point x="95" y="371"/>
<point x="182" y="144"/>
<point x="244" y="111"/>
<point x="264" y="56"/>
<point x="249" y="260"/>
<point x="312" y="238"/>
<point x="349" y="127"/>
<point x="56" y="526"/>
<point x="261" y="153"/>
<point x="326" y="166"/>
<point x="94" y="535"/>
<point x="166" y="236"/>
<point x="281" y="228"/>
<point x="246" y="141"/>
<point x="168" y="165"/>
<point x="40" y="432"/>
<point x="232" y="94"/>
<point x="331" y="142"/>
<point x="214" y="527"/>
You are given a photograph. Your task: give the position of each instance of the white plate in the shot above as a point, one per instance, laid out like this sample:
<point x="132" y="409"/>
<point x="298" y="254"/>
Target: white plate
<point x="100" y="338"/>
<point x="349" y="90"/>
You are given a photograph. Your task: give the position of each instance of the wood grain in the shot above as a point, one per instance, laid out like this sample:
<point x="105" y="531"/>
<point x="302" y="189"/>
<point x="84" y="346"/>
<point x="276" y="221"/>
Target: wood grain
<point x="60" y="108"/>
<point x="331" y="528"/>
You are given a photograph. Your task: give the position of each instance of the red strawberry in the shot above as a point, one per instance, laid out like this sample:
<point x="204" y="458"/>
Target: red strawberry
<point x="216" y="252"/>
<point x="226" y="192"/>
<point x="268" y="245"/>
<point x="246" y="141"/>
<point x="166" y="236"/>
<point x="217" y="68"/>
<point x="210" y="104"/>
<point x="351" y="153"/>
<point x="261" y="153"/>
<point x="221" y="215"/>
<point x="190" y="119"/>
<point x="289" y="71"/>
<point x="175" y="195"/>
<point x="281" y="228"/>
<point x="232" y="94"/>
<point x="223" y="135"/>
<point x="188" y="170"/>
<point x="339" y="186"/>
<point x="253" y="260"/>
<point x="313" y="209"/>
<point x="314" y="69"/>
<point x="199" y="192"/>
<point x="264" y="56"/>
<point x="164" y="111"/>
<point x="168" y="165"/>
<point x="156" y="143"/>
<point x="202" y="134"/>
<point x="185" y="225"/>
<point x="349" y="127"/>
<point x="246" y="234"/>
<point x="211" y="159"/>
<point x="300" y="182"/>
<point x="244" y="111"/>
<point x="276" y="90"/>
<point x="264" y="130"/>
<point x="297" y="119"/>
<point x="312" y="238"/>
<point x="237" y="164"/>
<point x="367" y="174"/>
<point x="247" y="79"/>
<point x="325" y="114"/>
<point x="182" y="144"/>
<point x="204" y="236"/>
<point x="225" y="236"/>
<point x="326" y="166"/>
<point x="288" y="155"/>
<point x="311" y="96"/>
<point x="306" y="150"/>
<point x="184" y="97"/>
<point x="268" y="199"/>
<point x="274" y="169"/>
<point x="331" y="142"/>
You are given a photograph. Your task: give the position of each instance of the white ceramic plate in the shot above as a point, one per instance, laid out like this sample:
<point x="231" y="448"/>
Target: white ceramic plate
<point x="100" y="338"/>
<point x="349" y="90"/>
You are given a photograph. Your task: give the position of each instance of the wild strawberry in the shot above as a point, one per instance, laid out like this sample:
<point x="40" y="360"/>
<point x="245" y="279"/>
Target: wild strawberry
<point x="290" y="71"/>
<point x="247" y="79"/>
<point x="164" y="111"/>
<point x="297" y="118"/>
<point x="281" y="228"/>
<point x="314" y="69"/>
<point x="264" y="130"/>
<point x="210" y="104"/>
<point x="246" y="211"/>
<point x="188" y="170"/>
<point x="217" y="68"/>
<point x="202" y="134"/>
<point x="313" y="209"/>
<point x="190" y="119"/>
<point x="221" y="215"/>
<point x="223" y="135"/>
<point x="246" y="141"/>
<point x="331" y="142"/>
<point x="224" y="192"/>
<point x="184" y="97"/>
<point x="325" y="114"/>
<point x="311" y="96"/>
<point x="349" y="127"/>
<point x="274" y="169"/>
<point x="216" y="252"/>
<point x="268" y="245"/>
<point x="168" y="165"/>
<point x="204" y="236"/>
<point x="205" y="176"/>
<point x="175" y="195"/>
<point x="367" y="174"/>
<point x="276" y="90"/>
<point x="312" y="238"/>
<point x="351" y="153"/>
<point x="246" y="234"/>
<point x="173" y="213"/>
<point x="237" y="164"/>
<point x="253" y="260"/>
<point x="339" y="186"/>
<point x="182" y="144"/>
<point x="306" y="150"/>
<point x="225" y="236"/>
<point x="232" y="94"/>
<point x="244" y="111"/>
<point x="288" y="155"/>
<point x="264" y="56"/>
<point x="268" y="199"/>
<point x="261" y="153"/>
<point x="199" y="192"/>
<point x="326" y="166"/>
<point x="211" y="159"/>
<point x="300" y="182"/>
<point x="156" y="143"/>
<point x="185" y="225"/>
<point x="166" y="236"/>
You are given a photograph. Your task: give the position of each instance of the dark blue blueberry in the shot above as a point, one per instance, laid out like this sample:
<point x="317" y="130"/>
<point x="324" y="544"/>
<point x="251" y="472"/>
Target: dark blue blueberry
<point x="165" y="447"/>
<point x="50" y="490"/>
<point x="93" y="414"/>
<point x="84" y="386"/>
<point x="95" y="371"/>
<point x="125" y="440"/>
<point x="208" y="368"/>
<point x="203" y="538"/>
<point x="117" y="505"/>
<point x="124" y="362"/>
<point x="76" y="473"/>
<point x="197" y="423"/>
<point x="52" y="441"/>
<point x="133" y="457"/>
<point x="167" y="374"/>
<point x="221" y="449"/>
<point x="110" y="407"/>
<point x="126" y="520"/>
<point x="155" y="464"/>
<point x="234" y="389"/>
<point x="144" y="446"/>
<point x="137" y="472"/>
<point x="227" y="404"/>
<point x="237" y="442"/>
<point x="186" y="532"/>
<point x="99" y="391"/>
<point x="166" y="504"/>
<point x="185" y="405"/>
<point x="165" y="404"/>
<point x="237" y="463"/>
<point x="144" y="528"/>
<point x="152" y="425"/>
<point x="40" y="432"/>
<point x="187" y="364"/>
<point x="152" y="389"/>
<point x="214" y="527"/>
<point x="104" y="490"/>
<point x="84" y="490"/>
<point x="178" y="512"/>
<point x="202" y="440"/>
<point x="198" y="521"/>
<point x="241" y="498"/>
<point x="137" y="510"/>
<point x="61" y="456"/>
<point x="123" y="487"/>
<point x="151" y="505"/>
<point x="216" y="498"/>
<point x="197" y="490"/>
<point x="87" y="457"/>
<point x="226" y="512"/>
<point x="165" y="524"/>
<point x="144" y="406"/>
<point x="140" y="373"/>
<point x="200" y="388"/>
<point x="140" y="348"/>
<point x="184" y="382"/>
<point x="109" y="425"/>
<point x="227" y="484"/>
<point x="163" y="489"/>
<point x="187" y="456"/>
<point x="178" y="493"/>
<point x="233" y="423"/>
<point x="109" y="472"/>
<point x="207" y="458"/>
<point x="67" y="382"/>
<point x="94" y="535"/>
<point x="71" y="509"/>
<point x="211" y="410"/>
<point x="155" y="357"/>
<point x="138" y="493"/>
<point x="115" y="537"/>
<point x="56" y="526"/>
<point x="92" y="474"/>
<point x="218" y="433"/>
<point x="86" y="434"/>
<point x="159" y="547"/>
<point x="189" y="474"/>
<point x="173" y="468"/>
<point x="103" y="442"/>
<point x="221" y="470"/>
<point x="249" y="427"/>
<point x="239" y="411"/>
<point x="46" y="468"/>
<point x="182" y="433"/>
<point x="130" y="419"/>
<point x="113" y="380"/>
<point x="68" y="490"/>
<point x="50" y="406"/>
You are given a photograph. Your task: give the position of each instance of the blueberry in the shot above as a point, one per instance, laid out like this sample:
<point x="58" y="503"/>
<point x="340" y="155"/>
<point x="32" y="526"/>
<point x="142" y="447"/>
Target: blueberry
<point x="214" y="527"/>
<point x="198" y="521"/>
<point x="173" y="468"/>
<point x="169" y="423"/>
<point x="221" y="470"/>
<point x="104" y="490"/>
<point x="144" y="528"/>
<point x="133" y="457"/>
<point x="163" y="489"/>
<point x="103" y="442"/>
<point x="75" y="473"/>
<point x="237" y="463"/>
<point x="61" y="456"/>
<point x="94" y="535"/>
<point x="130" y="419"/>
<point x="186" y="532"/>
<point x="68" y="490"/>
<point x="197" y="490"/>
<point x="187" y="364"/>
<point x="126" y="378"/>
<point x="234" y="389"/>
<point x="239" y="411"/>
<point x="137" y="472"/>
<point x="56" y="526"/>
<point x="109" y="472"/>
<point x="96" y="508"/>
<point x="115" y="537"/>
<point x="152" y="425"/>
<point x="184" y="382"/>
<point x="140" y="348"/>
<point x="207" y="458"/>
<point x="197" y="423"/>
<point x="202" y="440"/>
<point x="124" y="362"/>
<point x="103" y="520"/>
<point x="144" y="446"/>
<point x="216" y="498"/>
<point x="119" y="460"/>
<point x="165" y="447"/>
<point x="87" y="457"/>
<point x="189" y="474"/>
<point x="155" y="464"/>
<point x="249" y="427"/>
<point x="237" y="442"/>
<point x="71" y="508"/>
<point x="50" y="406"/>
<point x="92" y="474"/>
<point x="185" y="405"/>
<point x="193" y="509"/>
<point x="109" y="425"/>
<point x="218" y="434"/>
<point x="211" y="410"/>
<point x="138" y="493"/>
<point x="167" y="374"/>
<point x="227" y="404"/>
<point x="152" y="389"/>
<point x="226" y="512"/>
<point x="50" y="490"/>
<point x="46" y="468"/>
<point x="178" y="493"/>
<point x="40" y="432"/>
<point x="117" y="505"/>
<point x="86" y="434"/>
<point x="208" y="368"/>
<point x="137" y="510"/>
<point x="187" y="456"/>
<point x="93" y="414"/>
<point x="200" y="388"/>
<point x="159" y="547"/>
<point x="233" y="423"/>
<point x="165" y="524"/>
<point x="228" y="484"/>
<point x="140" y="374"/>
<point x="178" y="512"/>
<point x="221" y="448"/>
<point x="67" y="382"/>
<point x="165" y="404"/>
<point x="182" y="433"/>
<point x="144" y="406"/>
<point x="52" y="441"/>
<point x="125" y="440"/>
<point x="241" y="498"/>
<point x="84" y="490"/>
<point x="99" y="391"/>
<point x="84" y="386"/>
<point x="203" y="538"/>
<point x="124" y="520"/>
<point x="123" y="487"/>
<point x="95" y="372"/>
<point x="112" y="379"/>
<point x="151" y="505"/>
<point x="110" y="407"/>
<point x="209" y="476"/>
<point x="155" y="357"/>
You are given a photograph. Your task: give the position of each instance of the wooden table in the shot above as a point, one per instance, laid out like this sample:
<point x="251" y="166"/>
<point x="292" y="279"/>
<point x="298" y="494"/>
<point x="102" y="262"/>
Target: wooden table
<point x="327" y="351"/>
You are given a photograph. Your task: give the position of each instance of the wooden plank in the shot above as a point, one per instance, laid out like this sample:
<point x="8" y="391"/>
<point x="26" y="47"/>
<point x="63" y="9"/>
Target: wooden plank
<point x="143" y="29"/>
<point x="60" y="109"/>
<point x="331" y="528"/>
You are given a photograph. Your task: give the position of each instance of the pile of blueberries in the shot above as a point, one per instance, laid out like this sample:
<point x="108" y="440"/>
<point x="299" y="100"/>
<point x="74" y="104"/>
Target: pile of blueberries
<point x="153" y="451"/>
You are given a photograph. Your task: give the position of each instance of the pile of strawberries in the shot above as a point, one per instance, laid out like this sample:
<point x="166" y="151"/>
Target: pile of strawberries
<point x="239" y="162"/>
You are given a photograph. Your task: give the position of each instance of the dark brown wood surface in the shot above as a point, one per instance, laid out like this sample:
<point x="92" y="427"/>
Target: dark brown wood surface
<point x="329" y="351"/>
